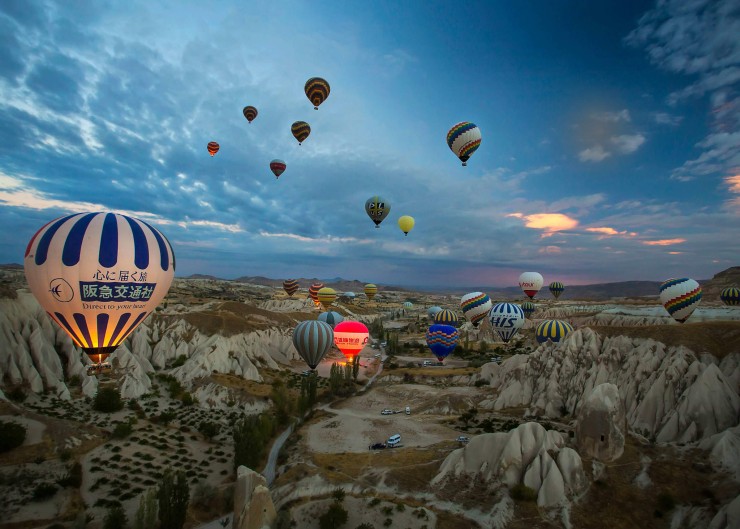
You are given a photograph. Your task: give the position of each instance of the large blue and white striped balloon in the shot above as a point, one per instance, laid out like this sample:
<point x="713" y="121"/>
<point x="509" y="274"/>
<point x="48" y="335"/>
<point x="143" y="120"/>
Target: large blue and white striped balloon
<point x="313" y="339"/>
<point x="99" y="275"/>
<point x="507" y="319"/>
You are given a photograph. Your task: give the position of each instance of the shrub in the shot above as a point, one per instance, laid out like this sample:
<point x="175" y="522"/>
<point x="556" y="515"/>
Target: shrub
<point x="116" y="518"/>
<point x="335" y="517"/>
<point x="338" y="495"/>
<point x="387" y="510"/>
<point x="17" y="394"/>
<point x="521" y="492"/>
<point x="209" y="429"/>
<point x="73" y="477"/>
<point x="12" y="435"/>
<point x="107" y="400"/>
<point x="666" y="502"/>
<point x="374" y="502"/>
<point x="44" y="491"/>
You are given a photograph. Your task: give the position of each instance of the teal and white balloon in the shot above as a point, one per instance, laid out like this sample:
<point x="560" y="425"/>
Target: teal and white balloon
<point x="313" y="339"/>
<point x="331" y="317"/>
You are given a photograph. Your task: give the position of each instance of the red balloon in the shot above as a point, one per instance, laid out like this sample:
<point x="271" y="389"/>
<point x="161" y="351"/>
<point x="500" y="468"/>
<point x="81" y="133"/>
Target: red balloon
<point x="350" y="337"/>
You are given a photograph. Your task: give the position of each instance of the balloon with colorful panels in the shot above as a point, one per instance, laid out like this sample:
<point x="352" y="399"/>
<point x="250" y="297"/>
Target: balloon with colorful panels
<point x="680" y="297"/>
<point x="290" y="286"/>
<point x="507" y="319"/>
<point x="432" y="311"/>
<point x="377" y="209"/>
<point x="331" y="317"/>
<point x="475" y="306"/>
<point x="312" y="339"/>
<point x="313" y="292"/>
<point x="531" y="283"/>
<point x="406" y="224"/>
<point x="553" y="330"/>
<point x="98" y="276"/>
<point x="277" y="167"/>
<point x="463" y="140"/>
<point x="300" y="131"/>
<point x="317" y="90"/>
<point x="213" y="148"/>
<point x="730" y="296"/>
<point x="528" y="308"/>
<point x="326" y="297"/>
<point x="370" y="291"/>
<point x="250" y="113"/>
<point x="408" y="305"/>
<point x="442" y="340"/>
<point x="556" y="288"/>
<point x="350" y="337"/>
<point x="447" y="317"/>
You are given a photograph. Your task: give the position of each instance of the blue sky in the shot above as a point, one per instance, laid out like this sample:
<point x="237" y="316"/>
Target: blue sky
<point x="610" y="134"/>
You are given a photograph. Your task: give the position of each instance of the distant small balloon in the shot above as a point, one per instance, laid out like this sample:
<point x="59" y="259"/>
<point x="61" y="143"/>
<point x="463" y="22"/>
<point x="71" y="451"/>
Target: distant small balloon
<point x="528" y="308"/>
<point x="213" y="148"/>
<point x="447" y="317"/>
<point x="377" y="209"/>
<point x="313" y="292"/>
<point x="290" y="286"/>
<point x="406" y="224"/>
<point x="553" y="330"/>
<point x="556" y="288"/>
<point x="326" y="297"/>
<point x="464" y="139"/>
<point x="317" y="90"/>
<point x="370" y="291"/>
<point x="531" y="283"/>
<point x="277" y="167"/>
<point x="250" y="113"/>
<point x="300" y="130"/>
<point x="730" y="296"/>
<point x="331" y="317"/>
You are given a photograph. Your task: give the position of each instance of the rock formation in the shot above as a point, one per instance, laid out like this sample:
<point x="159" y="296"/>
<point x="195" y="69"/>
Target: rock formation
<point x="253" y="507"/>
<point x="602" y="426"/>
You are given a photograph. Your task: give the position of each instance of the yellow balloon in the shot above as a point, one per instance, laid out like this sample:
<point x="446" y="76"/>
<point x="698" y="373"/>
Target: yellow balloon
<point x="406" y="224"/>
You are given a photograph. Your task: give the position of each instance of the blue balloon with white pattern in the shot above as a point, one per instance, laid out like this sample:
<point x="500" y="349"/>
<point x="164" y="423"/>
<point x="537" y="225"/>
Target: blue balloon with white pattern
<point x="507" y="319"/>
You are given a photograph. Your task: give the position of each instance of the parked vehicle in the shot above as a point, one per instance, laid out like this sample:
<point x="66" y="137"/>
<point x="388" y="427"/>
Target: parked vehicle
<point x="386" y="412"/>
<point x="408" y="410"/>
<point x="462" y="439"/>
<point x="427" y="363"/>
<point x="394" y="440"/>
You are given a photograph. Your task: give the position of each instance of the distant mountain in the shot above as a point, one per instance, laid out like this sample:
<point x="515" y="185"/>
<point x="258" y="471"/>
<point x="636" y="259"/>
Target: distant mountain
<point x="727" y="278"/>
<point x="337" y="283"/>
<point x="204" y="276"/>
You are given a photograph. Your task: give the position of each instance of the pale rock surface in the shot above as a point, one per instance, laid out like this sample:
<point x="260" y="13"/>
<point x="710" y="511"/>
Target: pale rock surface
<point x="728" y="516"/>
<point x="724" y="451"/>
<point x="667" y="392"/>
<point x="287" y="305"/>
<point x="218" y="397"/>
<point x="253" y="507"/>
<point x="523" y="455"/>
<point x="601" y="428"/>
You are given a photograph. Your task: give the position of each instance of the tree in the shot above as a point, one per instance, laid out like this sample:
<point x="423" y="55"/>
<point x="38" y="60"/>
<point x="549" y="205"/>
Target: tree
<point x="12" y="435"/>
<point x="173" y="496"/>
<point x="335" y="378"/>
<point x="355" y="367"/>
<point x="146" y="515"/>
<point x="209" y="429"/>
<point x="107" y="400"/>
<point x="334" y="518"/>
<point x="282" y="402"/>
<point x="116" y="518"/>
<point x="251" y="435"/>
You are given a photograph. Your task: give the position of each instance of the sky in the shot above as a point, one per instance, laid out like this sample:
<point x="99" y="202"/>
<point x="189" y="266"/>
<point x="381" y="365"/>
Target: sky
<point x="610" y="134"/>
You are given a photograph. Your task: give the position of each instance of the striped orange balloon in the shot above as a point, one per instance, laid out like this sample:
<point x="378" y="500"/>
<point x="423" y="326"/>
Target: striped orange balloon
<point x="300" y="130"/>
<point x="317" y="90"/>
<point x="213" y="147"/>
<point x="250" y="113"/>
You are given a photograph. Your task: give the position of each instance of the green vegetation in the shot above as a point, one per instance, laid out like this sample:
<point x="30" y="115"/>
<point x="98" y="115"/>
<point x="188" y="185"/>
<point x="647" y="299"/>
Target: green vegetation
<point x="173" y="496"/>
<point x="251" y="435"/>
<point x="107" y="400"/>
<point x="12" y="435"/>
<point x="334" y="518"/>
<point x="115" y="518"/>
<point x="521" y="492"/>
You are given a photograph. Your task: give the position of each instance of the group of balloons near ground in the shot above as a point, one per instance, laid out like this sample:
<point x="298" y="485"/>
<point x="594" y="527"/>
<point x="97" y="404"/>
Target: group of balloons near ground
<point x="463" y="139"/>
<point x="99" y="275"/>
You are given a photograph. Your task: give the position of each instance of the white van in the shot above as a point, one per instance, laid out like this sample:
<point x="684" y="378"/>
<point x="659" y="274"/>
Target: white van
<point x="394" y="440"/>
<point x="408" y="410"/>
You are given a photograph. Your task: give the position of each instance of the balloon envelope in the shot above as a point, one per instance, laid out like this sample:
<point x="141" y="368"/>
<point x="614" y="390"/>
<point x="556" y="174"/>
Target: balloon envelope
<point x="447" y="317"/>
<point x="475" y="306"/>
<point x="406" y="224"/>
<point x="313" y="292"/>
<point x="326" y="297"/>
<point x="213" y="148"/>
<point x="432" y="311"/>
<point x="377" y="209"/>
<point x="556" y="288"/>
<point x="730" y="296"/>
<point x="553" y="330"/>
<point x="331" y="317"/>
<point x="408" y="305"/>
<point x="300" y="131"/>
<point x="507" y="319"/>
<point x="370" y="291"/>
<point x="350" y="337"/>
<point x="528" y="308"/>
<point x="442" y="340"/>
<point x="680" y="297"/>
<point x="98" y="276"/>
<point x="250" y="113"/>
<point x="464" y="139"/>
<point x="312" y="339"/>
<point x="290" y="286"/>
<point x="531" y="283"/>
<point x="277" y="167"/>
<point x="317" y="90"/>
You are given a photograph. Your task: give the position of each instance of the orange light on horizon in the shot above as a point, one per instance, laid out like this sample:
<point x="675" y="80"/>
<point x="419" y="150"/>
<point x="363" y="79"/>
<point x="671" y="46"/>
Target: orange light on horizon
<point x="664" y="242"/>
<point x="548" y="222"/>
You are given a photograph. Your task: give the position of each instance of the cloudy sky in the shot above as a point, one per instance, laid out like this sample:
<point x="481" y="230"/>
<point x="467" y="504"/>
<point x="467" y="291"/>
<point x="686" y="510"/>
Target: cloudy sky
<point x="610" y="134"/>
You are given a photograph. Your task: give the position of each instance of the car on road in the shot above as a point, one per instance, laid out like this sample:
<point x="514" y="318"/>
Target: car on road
<point x="462" y="439"/>
<point x="427" y="363"/>
<point x="496" y="359"/>
<point x="383" y="344"/>
<point x="377" y="446"/>
<point x="387" y="412"/>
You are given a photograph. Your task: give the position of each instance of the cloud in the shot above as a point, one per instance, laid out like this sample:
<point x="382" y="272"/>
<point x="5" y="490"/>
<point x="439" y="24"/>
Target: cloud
<point x="627" y="143"/>
<point x="593" y="154"/>
<point x="550" y="250"/>
<point x="549" y="223"/>
<point x="613" y="117"/>
<point x="606" y="231"/>
<point x="664" y="242"/>
<point x="721" y="153"/>
<point x="664" y="118"/>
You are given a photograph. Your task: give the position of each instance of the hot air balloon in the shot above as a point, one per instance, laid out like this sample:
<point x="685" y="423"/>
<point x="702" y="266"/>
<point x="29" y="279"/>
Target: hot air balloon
<point x="290" y="286"/>
<point x="300" y="130"/>
<point x="370" y="291"/>
<point x="406" y="224"/>
<point x="446" y="317"/>
<point x="98" y="276"/>
<point x="250" y="113"/>
<point x="213" y="147"/>
<point x="331" y="317"/>
<point x="350" y="337"/>
<point x="730" y="296"/>
<point x="349" y="295"/>
<point x="312" y="339"/>
<point x="553" y="330"/>
<point x="313" y="292"/>
<point x="531" y="283"/>
<point x="507" y="319"/>
<point x="442" y="340"/>
<point x="432" y="312"/>
<point x="377" y="209"/>
<point x="464" y="139"/>
<point x="556" y="288"/>
<point x="408" y="305"/>
<point x="277" y="167"/>
<point x="680" y="297"/>
<point x="317" y="90"/>
<point x="326" y="297"/>
<point x="528" y="307"/>
<point x="475" y="306"/>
